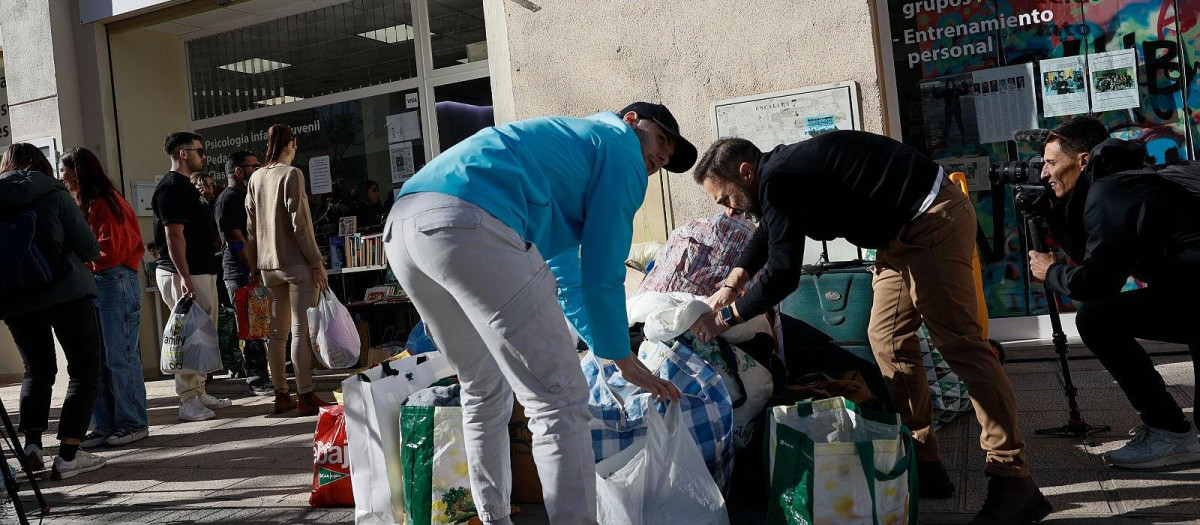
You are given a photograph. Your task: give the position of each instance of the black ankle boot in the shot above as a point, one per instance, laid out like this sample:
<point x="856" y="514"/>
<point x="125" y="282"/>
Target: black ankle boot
<point x="1015" y="501"/>
<point x="934" y="482"/>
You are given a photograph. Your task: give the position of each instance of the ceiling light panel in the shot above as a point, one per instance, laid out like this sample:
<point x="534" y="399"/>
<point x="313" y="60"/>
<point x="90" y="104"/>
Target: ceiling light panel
<point x="390" y="35"/>
<point x="255" y="66"/>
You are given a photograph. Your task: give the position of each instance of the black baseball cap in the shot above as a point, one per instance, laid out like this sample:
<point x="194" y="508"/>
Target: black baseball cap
<point x="685" y="153"/>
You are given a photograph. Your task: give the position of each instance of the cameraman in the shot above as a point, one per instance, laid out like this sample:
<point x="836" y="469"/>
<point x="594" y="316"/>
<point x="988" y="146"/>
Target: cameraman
<point x="1116" y="217"/>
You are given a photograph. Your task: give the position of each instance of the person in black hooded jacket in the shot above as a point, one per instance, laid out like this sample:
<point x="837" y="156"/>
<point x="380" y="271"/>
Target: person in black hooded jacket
<point x="65" y="307"/>
<point x="1116" y="217"/>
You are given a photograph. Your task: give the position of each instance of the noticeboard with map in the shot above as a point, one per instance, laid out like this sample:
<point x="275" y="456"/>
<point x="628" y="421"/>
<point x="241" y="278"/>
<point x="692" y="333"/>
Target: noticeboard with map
<point x="784" y="117"/>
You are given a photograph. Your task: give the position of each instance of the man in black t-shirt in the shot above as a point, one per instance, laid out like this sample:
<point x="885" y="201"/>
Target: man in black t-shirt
<point x="187" y="241"/>
<point x="230" y="213"/>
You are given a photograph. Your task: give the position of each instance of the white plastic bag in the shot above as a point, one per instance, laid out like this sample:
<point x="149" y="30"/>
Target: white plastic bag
<point x="373" y="399"/>
<point x="332" y="332"/>
<point x="666" y="315"/>
<point x="659" y="479"/>
<point x="189" y="341"/>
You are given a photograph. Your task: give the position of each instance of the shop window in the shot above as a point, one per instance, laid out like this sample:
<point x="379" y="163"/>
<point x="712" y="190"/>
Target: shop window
<point x="346" y="46"/>
<point x="456" y="32"/>
<point x="968" y="74"/>
<point x="376" y="140"/>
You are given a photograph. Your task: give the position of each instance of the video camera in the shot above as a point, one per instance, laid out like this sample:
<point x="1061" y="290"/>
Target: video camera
<point x="1032" y="195"/>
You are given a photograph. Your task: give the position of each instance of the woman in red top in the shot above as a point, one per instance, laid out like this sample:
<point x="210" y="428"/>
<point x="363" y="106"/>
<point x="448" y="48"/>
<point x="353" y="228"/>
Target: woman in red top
<point x="120" y="413"/>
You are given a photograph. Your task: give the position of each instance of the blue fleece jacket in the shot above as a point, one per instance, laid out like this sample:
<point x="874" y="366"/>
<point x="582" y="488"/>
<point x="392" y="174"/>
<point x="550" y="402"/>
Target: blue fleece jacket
<point x="570" y="186"/>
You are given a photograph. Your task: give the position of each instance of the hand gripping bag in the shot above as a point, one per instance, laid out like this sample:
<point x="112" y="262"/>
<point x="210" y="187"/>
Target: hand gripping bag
<point x="189" y="341"/>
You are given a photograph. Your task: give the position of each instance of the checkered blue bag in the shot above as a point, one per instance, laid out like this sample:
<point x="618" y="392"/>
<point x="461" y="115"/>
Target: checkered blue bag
<point x="618" y="408"/>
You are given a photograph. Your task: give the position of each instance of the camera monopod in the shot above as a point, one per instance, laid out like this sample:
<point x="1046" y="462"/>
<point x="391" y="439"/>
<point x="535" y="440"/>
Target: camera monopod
<point x="1031" y="197"/>
<point x="1076" y="426"/>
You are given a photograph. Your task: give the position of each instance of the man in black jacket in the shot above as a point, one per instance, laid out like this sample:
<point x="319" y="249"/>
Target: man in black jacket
<point x="878" y="193"/>
<point x="230" y="214"/>
<point x="1115" y="217"/>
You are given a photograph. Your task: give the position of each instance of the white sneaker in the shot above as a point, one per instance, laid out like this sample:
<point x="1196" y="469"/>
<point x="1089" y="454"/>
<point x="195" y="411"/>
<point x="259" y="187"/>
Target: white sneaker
<point x="1154" y="447"/>
<point x="194" y="410"/>
<point x="36" y="458"/>
<point x="84" y="462"/>
<point x="213" y="403"/>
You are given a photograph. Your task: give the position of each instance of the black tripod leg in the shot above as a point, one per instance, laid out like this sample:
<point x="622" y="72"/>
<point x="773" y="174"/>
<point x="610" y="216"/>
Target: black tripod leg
<point x="1076" y="426"/>
<point x="10" y="484"/>
<point x="19" y="452"/>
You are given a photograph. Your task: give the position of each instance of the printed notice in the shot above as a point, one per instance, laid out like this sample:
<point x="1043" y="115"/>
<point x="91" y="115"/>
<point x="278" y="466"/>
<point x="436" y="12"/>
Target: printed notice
<point x="784" y="117"/>
<point x="1004" y="101"/>
<point x="975" y="168"/>
<point x="1113" y="79"/>
<point x="402" y="161"/>
<point x="320" y="179"/>
<point x="411" y="100"/>
<point x="1064" y="89"/>
<point x="403" y="126"/>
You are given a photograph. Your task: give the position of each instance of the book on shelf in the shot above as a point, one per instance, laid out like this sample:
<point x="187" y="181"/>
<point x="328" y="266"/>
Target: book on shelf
<point x="337" y="252"/>
<point x="356" y="250"/>
<point x="347" y="225"/>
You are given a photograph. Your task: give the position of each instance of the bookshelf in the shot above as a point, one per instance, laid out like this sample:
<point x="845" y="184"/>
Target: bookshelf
<point x="356" y="269"/>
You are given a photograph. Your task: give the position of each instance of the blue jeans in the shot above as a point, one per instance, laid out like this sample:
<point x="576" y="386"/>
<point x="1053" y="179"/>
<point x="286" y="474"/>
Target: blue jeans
<point x="122" y="400"/>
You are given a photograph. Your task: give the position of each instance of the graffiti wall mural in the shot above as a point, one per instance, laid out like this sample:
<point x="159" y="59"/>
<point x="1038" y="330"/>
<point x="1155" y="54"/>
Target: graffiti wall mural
<point x="947" y="53"/>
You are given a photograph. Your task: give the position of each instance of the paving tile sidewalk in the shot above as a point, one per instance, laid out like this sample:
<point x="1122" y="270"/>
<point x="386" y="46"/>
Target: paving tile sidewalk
<point x="249" y="466"/>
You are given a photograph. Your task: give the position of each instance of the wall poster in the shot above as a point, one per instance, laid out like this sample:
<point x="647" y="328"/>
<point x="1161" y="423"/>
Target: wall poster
<point x="402" y="161"/>
<point x="946" y="101"/>
<point x="975" y="168"/>
<point x="1113" y="80"/>
<point x="1064" y="90"/>
<point x="1007" y="102"/>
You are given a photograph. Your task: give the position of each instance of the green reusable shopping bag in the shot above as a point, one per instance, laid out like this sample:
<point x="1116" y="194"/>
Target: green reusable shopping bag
<point x="825" y="459"/>
<point x="231" y="349"/>
<point x="437" y="489"/>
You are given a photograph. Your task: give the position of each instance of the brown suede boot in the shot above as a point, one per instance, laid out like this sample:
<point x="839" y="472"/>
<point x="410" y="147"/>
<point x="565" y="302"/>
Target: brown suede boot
<point x="310" y="403"/>
<point x="283" y="402"/>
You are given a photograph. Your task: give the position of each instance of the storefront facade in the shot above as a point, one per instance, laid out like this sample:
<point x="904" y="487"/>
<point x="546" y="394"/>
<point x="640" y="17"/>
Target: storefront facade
<point x="962" y="76"/>
<point x="375" y="88"/>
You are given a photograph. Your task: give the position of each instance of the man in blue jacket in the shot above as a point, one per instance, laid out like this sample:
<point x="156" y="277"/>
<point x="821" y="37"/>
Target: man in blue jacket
<point x="484" y="236"/>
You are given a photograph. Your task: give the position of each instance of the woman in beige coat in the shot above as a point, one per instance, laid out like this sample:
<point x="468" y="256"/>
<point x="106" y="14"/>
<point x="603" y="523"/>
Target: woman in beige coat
<point x="281" y="241"/>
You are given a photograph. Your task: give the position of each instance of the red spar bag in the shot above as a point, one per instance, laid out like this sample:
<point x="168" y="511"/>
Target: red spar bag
<point x="331" y="464"/>
<point x="253" y="309"/>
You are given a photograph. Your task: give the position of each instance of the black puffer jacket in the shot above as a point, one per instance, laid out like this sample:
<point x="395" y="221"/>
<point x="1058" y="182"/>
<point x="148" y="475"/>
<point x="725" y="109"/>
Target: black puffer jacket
<point x="1121" y="219"/>
<point x="61" y="229"/>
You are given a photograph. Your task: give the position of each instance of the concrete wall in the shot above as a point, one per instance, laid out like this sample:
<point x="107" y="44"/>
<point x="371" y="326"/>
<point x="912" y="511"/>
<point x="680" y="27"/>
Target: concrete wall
<point x="149" y="88"/>
<point x="29" y="39"/>
<point x="41" y="42"/>
<point x="573" y="58"/>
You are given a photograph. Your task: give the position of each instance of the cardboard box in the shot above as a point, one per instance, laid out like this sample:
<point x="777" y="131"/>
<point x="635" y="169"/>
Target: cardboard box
<point x="364" y="337"/>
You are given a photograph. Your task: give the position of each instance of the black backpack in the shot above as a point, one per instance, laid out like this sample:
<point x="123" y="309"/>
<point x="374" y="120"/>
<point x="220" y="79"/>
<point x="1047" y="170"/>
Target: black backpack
<point x="1184" y="174"/>
<point x="23" y="264"/>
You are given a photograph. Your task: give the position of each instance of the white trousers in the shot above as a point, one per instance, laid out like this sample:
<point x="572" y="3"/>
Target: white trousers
<point x="170" y="285"/>
<point x="489" y="302"/>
